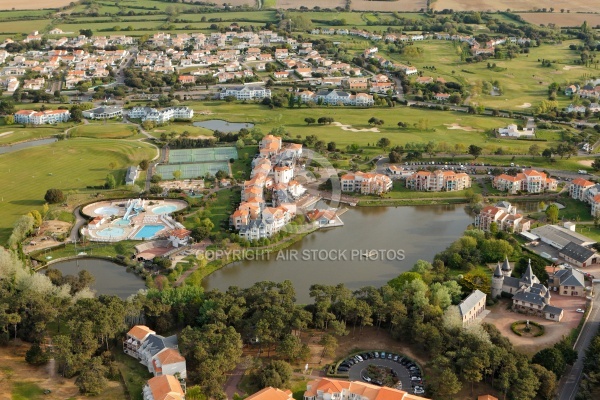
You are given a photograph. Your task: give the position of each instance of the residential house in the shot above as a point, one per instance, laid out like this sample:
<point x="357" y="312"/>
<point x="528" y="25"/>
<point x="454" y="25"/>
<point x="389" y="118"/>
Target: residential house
<point x="271" y="393"/>
<point x="335" y="389"/>
<point x="571" y="90"/>
<point x="366" y="183"/>
<point x="164" y="387"/>
<point x="41" y="117"/>
<point x="134" y="339"/>
<point x="438" y="180"/>
<point x="505" y="216"/>
<point x="579" y="187"/>
<point x="246" y="92"/>
<point x="567" y="282"/>
<point x="529" y="180"/>
<point x="512" y="131"/>
<point x="472" y="307"/>
<point x="187" y="79"/>
<point x="322" y="217"/>
<point x="442" y="96"/>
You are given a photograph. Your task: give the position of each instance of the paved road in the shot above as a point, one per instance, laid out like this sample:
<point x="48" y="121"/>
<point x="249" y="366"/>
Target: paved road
<point x="79" y="222"/>
<point x="569" y="384"/>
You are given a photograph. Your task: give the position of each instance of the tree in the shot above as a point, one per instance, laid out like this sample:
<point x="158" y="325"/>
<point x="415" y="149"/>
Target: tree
<point x="110" y="182"/>
<point x="330" y="344"/>
<point x="445" y="383"/>
<point x="551" y="359"/>
<point x="309" y="120"/>
<point x="331" y="146"/>
<point x="596" y="164"/>
<point x="552" y="213"/>
<point x="534" y="150"/>
<point x="475" y="151"/>
<point x="144" y="164"/>
<point x="54" y="196"/>
<point x="91" y="380"/>
<point x="35" y="355"/>
<point x="276" y="374"/>
<point x="384" y="143"/>
<point x="86" y="32"/>
<point x="289" y="347"/>
<point x="177" y="174"/>
<point x="430" y="149"/>
<point x="547" y="380"/>
<point x="9" y="119"/>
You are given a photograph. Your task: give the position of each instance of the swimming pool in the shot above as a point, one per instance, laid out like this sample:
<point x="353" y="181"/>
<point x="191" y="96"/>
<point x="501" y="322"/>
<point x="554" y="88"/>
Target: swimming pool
<point x="148" y="231"/>
<point x="164" y="209"/>
<point x="121" y="222"/>
<point x="107" y="211"/>
<point x="111" y="232"/>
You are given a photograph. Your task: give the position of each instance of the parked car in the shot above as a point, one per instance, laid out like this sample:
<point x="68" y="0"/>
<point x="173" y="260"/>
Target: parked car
<point x="365" y="356"/>
<point x="376" y="355"/>
<point x="415" y="378"/>
<point x="579" y="310"/>
<point x="343" y="369"/>
<point x="382" y="354"/>
<point x="395" y="358"/>
<point x="389" y="356"/>
<point x="419" y="391"/>
<point x="366" y="379"/>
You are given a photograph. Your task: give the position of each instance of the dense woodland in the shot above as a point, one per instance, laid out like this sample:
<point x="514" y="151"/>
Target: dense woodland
<point x="416" y="308"/>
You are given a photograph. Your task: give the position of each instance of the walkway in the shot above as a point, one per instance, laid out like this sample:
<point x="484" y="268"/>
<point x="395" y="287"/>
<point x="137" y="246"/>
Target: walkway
<point x="234" y="379"/>
<point x="79" y="222"/>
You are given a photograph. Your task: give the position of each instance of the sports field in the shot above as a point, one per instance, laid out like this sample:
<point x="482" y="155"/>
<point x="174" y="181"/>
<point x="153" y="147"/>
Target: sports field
<point x="69" y="165"/>
<point x="202" y="155"/>
<point x="189" y="171"/>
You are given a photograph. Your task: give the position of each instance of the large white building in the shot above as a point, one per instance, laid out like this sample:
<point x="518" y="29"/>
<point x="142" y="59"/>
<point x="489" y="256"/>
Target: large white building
<point x="438" y="181"/>
<point x="42" y="117"/>
<point x="160" y="116"/>
<point x="246" y="92"/>
<point x="336" y="97"/>
<point x="107" y="112"/>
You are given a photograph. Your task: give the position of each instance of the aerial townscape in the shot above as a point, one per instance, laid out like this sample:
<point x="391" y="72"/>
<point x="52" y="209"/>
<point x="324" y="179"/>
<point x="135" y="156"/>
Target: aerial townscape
<point x="285" y="200"/>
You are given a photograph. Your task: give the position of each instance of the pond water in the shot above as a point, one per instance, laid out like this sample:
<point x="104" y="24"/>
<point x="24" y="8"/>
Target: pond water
<point x="25" y="145"/>
<point x="223" y="126"/>
<point x="111" y="278"/>
<point x="419" y="231"/>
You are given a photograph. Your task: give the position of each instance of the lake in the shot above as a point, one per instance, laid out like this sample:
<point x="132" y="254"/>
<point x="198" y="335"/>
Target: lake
<point x="330" y="256"/>
<point x="111" y="278"/>
<point x="25" y="145"/>
<point x="223" y="126"/>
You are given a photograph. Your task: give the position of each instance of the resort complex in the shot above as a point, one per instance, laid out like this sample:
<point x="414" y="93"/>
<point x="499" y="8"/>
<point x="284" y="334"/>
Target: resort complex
<point x="505" y="217"/>
<point x="530" y="181"/>
<point x="365" y="183"/>
<point x="438" y="181"/>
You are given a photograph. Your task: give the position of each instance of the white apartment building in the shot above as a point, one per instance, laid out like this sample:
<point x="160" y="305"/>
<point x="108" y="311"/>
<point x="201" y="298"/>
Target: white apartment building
<point x="42" y="117"/>
<point x="247" y="92"/>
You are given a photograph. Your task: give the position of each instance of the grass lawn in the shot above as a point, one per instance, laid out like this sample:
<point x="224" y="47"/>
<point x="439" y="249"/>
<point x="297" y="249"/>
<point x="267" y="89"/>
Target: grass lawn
<point x="574" y="210"/>
<point x="590" y="231"/>
<point x="70" y="165"/>
<point x="125" y="247"/>
<point x="134" y="374"/>
<point x="17" y="133"/>
<point x="106" y="131"/>
<point x="26" y="391"/>
<point x="220" y="208"/>
<point x="434" y="124"/>
<point x="179" y="128"/>
<point x="242" y="166"/>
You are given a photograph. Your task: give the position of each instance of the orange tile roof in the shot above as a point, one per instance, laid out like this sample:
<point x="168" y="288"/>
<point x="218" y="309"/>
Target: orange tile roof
<point x="165" y="387"/>
<point x="582" y="182"/>
<point x="169" y="356"/>
<point x="270" y="393"/>
<point x="140" y="332"/>
<point x="487" y="397"/>
<point x="365" y="390"/>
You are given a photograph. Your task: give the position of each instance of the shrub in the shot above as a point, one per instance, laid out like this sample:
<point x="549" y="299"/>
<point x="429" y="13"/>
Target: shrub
<point x="54" y="196"/>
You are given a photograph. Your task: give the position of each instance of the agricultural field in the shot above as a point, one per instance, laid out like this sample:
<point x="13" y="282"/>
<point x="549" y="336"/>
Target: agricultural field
<point x="514" y="5"/>
<point x="399" y="5"/>
<point x="34" y="5"/>
<point x="561" y="19"/>
<point x="69" y="165"/>
<point x="12" y="27"/>
<point x="308" y="3"/>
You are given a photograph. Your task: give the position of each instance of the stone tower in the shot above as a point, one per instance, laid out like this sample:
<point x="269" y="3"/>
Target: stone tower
<point x="506" y="268"/>
<point x="497" y="282"/>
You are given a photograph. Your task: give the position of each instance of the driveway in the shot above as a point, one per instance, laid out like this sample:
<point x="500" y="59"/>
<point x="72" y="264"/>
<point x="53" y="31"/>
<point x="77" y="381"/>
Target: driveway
<point x="356" y="371"/>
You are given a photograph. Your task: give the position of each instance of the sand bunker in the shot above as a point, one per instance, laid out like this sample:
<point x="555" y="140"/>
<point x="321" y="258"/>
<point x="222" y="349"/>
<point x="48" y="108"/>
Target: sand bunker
<point x="205" y="112"/>
<point x="351" y="129"/>
<point x="587" y="163"/>
<point x="524" y="105"/>
<point x="6" y="133"/>
<point x="462" y="128"/>
<point x="569" y="67"/>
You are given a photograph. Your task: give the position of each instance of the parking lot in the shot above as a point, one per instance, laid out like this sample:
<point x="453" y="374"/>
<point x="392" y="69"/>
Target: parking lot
<point x="401" y="367"/>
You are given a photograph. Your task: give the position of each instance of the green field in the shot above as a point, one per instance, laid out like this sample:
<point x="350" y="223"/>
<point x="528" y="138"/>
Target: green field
<point x="189" y="171"/>
<point x="20" y="134"/>
<point x="293" y="120"/>
<point x="70" y="165"/>
<point x="105" y="131"/>
<point x="522" y="80"/>
<point x="24" y="26"/>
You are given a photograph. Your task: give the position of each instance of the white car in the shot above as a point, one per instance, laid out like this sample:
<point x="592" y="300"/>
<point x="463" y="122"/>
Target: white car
<point x="579" y="310"/>
<point x="415" y="378"/>
<point x="419" y="391"/>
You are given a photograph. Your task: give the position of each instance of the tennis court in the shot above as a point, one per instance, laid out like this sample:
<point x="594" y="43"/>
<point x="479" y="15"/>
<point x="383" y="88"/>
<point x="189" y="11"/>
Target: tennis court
<point x="211" y="154"/>
<point x="189" y="171"/>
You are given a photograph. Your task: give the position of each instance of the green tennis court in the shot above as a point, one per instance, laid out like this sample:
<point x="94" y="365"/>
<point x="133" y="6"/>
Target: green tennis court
<point x="189" y="171"/>
<point x="211" y="154"/>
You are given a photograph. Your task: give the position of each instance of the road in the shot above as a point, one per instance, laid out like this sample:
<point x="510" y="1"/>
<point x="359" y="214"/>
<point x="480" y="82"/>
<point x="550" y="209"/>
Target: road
<point x="79" y="222"/>
<point x="568" y="385"/>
